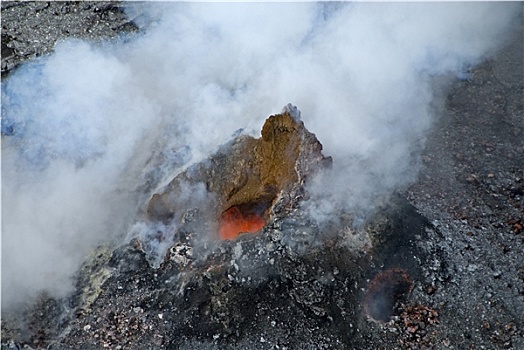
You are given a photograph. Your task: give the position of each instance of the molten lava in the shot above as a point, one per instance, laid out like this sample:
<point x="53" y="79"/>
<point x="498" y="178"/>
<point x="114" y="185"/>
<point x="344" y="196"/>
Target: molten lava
<point x="233" y="222"/>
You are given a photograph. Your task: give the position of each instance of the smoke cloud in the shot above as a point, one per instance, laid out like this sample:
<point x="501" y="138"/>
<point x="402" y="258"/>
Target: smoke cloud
<point x="89" y="131"/>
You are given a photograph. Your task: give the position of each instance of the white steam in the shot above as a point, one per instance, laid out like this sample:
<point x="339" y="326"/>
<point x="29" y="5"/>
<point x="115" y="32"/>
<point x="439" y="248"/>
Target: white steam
<point x="80" y="125"/>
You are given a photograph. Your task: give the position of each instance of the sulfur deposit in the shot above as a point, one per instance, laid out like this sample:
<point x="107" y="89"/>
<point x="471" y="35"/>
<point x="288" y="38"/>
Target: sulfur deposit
<point x="247" y="176"/>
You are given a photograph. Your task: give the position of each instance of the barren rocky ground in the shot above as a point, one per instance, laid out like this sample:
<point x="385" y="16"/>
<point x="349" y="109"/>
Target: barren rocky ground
<point x="449" y="252"/>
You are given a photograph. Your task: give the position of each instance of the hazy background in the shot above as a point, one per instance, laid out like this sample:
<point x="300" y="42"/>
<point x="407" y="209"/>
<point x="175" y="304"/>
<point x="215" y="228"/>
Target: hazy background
<point x="80" y="126"/>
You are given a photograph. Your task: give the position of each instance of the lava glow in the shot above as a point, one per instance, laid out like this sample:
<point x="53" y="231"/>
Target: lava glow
<point x="233" y="222"/>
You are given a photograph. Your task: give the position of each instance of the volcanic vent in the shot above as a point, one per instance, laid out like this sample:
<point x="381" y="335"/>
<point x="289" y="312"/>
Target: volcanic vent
<point x="246" y="178"/>
<point x="296" y="280"/>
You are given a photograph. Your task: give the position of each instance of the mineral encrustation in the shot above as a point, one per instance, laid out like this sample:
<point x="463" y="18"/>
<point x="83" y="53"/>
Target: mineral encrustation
<point x="247" y="176"/>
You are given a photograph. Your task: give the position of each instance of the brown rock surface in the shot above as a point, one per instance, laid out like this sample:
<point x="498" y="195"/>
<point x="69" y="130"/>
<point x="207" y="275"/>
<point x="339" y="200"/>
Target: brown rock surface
<point x="248" y="174"/>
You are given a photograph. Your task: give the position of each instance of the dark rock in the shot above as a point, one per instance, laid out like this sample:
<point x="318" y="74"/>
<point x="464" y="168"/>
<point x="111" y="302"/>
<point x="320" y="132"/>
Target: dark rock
<point x="50" y="21"/>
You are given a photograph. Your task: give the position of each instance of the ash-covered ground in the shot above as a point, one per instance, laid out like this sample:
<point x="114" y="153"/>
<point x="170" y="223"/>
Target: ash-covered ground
<point x="444" y="261"/>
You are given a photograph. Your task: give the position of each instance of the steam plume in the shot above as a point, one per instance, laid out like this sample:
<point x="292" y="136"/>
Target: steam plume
<point x="80" y="125"/>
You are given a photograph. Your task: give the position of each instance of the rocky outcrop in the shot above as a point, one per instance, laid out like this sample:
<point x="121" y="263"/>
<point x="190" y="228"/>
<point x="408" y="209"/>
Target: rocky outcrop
<point x="246" y="177"/>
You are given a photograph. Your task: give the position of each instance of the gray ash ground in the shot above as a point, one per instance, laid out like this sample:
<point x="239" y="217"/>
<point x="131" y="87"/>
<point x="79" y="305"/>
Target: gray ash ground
<point x="457" y="232"/>
<point x="271" y="290"/>
<point x="31" y="29"/>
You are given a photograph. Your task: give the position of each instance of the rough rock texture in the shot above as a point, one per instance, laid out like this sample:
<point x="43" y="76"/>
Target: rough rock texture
<point x="471" y="189"/>
<point x="31" y="29"/>
<point x="457" y="233"/>
<point x="254" y="292"/>
<point x="249" y="174"/>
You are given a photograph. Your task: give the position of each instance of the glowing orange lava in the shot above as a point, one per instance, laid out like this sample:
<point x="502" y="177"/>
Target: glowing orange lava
<point x="233" y="222"/>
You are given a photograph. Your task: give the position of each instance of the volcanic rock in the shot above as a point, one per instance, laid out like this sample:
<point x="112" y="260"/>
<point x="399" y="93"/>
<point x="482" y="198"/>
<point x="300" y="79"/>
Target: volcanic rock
<point x="260" y="292"/>
<point x="294" y="283"/>
<point x="247" y="176"/>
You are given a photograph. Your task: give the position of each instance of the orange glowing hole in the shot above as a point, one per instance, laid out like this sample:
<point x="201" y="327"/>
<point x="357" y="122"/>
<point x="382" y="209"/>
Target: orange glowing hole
<point x="233" y="222"/>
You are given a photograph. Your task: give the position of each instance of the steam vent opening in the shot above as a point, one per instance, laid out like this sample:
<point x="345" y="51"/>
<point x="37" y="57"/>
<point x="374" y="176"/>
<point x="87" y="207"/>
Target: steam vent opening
<point x="384" y="292"/>
<point x="241" y="219"/>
